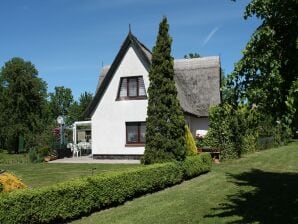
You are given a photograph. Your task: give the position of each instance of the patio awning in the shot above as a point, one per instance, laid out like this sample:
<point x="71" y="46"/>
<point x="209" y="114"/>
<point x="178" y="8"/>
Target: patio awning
<point x="74" y="128"/>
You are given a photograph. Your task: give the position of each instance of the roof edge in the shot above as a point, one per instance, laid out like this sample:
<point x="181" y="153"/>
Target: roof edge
<point x="130" y="40"/>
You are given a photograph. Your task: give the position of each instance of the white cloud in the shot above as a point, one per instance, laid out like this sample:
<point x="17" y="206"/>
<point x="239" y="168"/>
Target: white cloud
<point x="210" y="35"/>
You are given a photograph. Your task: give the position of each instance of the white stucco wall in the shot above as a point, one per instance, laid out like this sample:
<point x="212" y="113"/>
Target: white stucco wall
<point x="108" y="120"/>
<point x="197" y="123"/>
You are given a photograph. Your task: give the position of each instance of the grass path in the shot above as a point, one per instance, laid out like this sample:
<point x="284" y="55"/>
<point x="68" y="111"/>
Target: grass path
<point x="259" y="188"/>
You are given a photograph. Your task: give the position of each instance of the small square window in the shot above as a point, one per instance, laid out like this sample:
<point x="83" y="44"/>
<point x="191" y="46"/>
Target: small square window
<point x="135" y="133"/>
<point x="132" y="132"/>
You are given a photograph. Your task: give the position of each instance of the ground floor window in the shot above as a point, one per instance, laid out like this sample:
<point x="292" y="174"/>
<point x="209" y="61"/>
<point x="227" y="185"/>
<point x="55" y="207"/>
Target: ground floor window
<point x="135" y="133"/>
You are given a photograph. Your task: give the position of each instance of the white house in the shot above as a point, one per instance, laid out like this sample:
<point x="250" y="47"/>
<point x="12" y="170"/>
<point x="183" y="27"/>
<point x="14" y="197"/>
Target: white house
<point x="119" y="108"/>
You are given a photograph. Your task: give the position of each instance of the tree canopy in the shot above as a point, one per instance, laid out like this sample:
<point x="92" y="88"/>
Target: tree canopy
<point x="60" y="101"/>
<point x="28" y="115"/>
<point x="23" y="99"/>
<point x="192" y="55"/>
<point x="268" y="68"/>
<point x="77" y="109"/>
<point x="165" y="121"/>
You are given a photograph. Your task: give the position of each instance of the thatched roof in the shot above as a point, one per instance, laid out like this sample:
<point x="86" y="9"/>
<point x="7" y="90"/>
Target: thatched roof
<point x="197" y="80"/>
<point x="198" y="84"/>
<point x="102" y="75"/>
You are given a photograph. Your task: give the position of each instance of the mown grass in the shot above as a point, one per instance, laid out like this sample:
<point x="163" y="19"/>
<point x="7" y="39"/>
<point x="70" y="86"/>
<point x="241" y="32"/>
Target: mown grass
<point x="43" y="174"/>
<point x="6" y="158"/>
<point x="258" y="188"/>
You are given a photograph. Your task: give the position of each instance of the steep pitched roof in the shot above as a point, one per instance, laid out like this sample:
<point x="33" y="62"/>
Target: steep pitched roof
<point x="142" y="53"/>
<point x="102" y="75"/>
<point x="197" y="80"/>
<point x="198" y="84"/>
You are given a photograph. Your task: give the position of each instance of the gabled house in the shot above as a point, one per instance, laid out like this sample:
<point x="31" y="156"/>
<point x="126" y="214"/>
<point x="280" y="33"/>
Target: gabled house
<point x="118" y="110"/>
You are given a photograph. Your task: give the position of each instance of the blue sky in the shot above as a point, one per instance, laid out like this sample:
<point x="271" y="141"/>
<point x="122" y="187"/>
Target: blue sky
<point x="69" y="40"/>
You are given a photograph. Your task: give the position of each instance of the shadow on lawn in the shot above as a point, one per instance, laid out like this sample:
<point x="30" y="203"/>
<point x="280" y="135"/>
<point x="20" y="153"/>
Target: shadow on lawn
<point x="274" y="198"/>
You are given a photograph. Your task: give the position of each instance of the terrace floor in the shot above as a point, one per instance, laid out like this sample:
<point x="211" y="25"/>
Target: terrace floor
<point x="89" y="159"/>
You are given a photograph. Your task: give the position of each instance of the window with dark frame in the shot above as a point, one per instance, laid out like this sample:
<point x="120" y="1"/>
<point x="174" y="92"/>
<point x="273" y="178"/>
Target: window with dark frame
<point x="131" y="88"/>
<point x="135" y="133"/>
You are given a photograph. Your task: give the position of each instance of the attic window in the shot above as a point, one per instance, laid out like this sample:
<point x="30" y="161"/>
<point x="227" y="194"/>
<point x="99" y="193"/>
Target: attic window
<point x="131" y="88"/>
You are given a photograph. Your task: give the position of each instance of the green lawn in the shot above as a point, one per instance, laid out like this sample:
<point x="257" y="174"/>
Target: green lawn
<point x="259" y="188"/>
<point x="43" y="174"/>
<point x="6" y="158"/>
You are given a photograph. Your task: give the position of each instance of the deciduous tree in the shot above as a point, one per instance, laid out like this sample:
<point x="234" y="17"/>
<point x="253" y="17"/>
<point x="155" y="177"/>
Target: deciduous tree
<point x="23" y="99"/>
<point x="269" y="65"/>
<point x="77" y="109"/>
<point x="60" y="101"/>
<point x="192" y="55"/>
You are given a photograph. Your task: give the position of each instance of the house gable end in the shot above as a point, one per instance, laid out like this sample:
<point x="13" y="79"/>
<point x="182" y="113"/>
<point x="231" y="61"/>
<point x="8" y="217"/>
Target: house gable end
<point x="130" y="41"/>
<point x="197" y="80"/>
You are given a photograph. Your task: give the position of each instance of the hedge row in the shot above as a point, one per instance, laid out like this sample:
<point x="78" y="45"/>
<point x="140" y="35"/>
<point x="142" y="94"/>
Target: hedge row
<point x="72" y="199"/>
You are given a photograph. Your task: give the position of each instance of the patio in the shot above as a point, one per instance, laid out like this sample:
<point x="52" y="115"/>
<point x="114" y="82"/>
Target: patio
<point x="89" y="159"/>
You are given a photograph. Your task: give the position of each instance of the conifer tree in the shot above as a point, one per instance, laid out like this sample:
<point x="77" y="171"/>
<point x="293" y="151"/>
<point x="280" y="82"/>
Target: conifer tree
<point x="165" y="138"/>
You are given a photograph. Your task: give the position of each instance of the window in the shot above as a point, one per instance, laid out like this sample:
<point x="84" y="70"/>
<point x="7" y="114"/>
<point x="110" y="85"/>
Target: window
<point x="135" y="133"/>
<point x="131" y="88"/>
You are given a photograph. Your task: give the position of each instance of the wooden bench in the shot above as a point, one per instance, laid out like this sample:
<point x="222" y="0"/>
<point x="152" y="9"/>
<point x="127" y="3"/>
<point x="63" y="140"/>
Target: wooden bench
<point x="214" y="152"/>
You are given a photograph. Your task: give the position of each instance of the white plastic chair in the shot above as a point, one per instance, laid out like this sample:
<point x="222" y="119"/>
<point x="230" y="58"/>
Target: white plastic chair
<point x="75" y="150"/>
<point x="69" y="146"/>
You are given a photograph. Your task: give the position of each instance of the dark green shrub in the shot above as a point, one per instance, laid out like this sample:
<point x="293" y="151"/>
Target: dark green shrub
<point x="37" y="155"/>
<point x="11" y="142"/>
<point x="72" y="199"/>
<point x="265" y="142"/>
<point x="44" y="151"/>
<point x="34" y="156"/>
<point x="233" y="130"/>
<point x="1" y="187"/>
<point x="273" y="132"/>
<point x="220" y="135"/>
<point x="241" y="129"/>
<point x="291" y="118"/>
<point x="249" y="143"/>
<point x="200" y="142"/>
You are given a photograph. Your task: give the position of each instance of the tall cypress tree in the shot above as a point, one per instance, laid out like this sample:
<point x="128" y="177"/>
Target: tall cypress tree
<point x="165" y="139"/>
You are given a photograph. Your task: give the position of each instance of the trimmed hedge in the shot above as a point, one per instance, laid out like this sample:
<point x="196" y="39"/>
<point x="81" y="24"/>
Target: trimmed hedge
<point x="72" y="199"/>
<point x="194" y="165"/>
